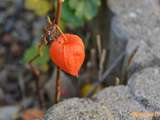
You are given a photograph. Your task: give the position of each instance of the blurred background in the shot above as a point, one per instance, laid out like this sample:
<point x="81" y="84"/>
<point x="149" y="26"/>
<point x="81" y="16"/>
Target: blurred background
<point x="21" y="27"/>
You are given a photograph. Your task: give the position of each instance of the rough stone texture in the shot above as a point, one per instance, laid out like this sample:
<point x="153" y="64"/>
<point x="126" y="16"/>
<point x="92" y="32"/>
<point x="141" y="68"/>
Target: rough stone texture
<point x="120" y="102"/>
<point x="145" y="86"/>
<point x="138" y="23"/>
<point x="122" y="7"/>
<point x="132" y="37"/>
<point x="8" y="112"/>
<point x="78" y="109"/>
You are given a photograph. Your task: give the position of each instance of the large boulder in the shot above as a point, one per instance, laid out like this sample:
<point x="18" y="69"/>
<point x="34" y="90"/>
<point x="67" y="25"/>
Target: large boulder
<point x="120" y="102"/>
<point x="78" y="109"/>
<point x="145" y="87"/>
<point x="137" y="24"/>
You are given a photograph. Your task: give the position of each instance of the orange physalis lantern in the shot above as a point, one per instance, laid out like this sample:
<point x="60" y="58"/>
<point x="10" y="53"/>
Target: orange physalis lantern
<point x="67" y="52"/>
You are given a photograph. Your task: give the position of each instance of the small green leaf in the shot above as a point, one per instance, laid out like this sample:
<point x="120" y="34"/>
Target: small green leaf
<point x="87" y="9"/>
<point x="33" y="51"/>
<point x="76" y="12"/>
<point x="69" y="17"/>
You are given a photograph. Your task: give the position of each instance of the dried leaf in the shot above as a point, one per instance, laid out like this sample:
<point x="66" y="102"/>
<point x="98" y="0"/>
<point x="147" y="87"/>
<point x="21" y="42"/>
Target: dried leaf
<point x="32" y="114"/>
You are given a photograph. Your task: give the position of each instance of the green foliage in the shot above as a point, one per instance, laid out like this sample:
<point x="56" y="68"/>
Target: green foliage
<point x="68" y="16"/>
<point x="41" y="61"/>
<point x="74" y="12"/>
<point x="77" y="12"/>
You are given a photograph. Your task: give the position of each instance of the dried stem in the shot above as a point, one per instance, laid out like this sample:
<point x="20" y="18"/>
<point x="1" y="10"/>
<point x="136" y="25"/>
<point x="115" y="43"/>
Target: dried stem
<point x="101" y="55"/>
<point x="101" y="63"/>
<point x="58" y="13"/>
<point x="36" y="72"/>
<point x="126" y="66"/>
<point x="58" y="83"/>
<point x="37" y="83"/>
<point x="57" y="86"/>
<point x="106" y="73"/>
<point x="99" y="45"/>
<point x="132" y="55"/>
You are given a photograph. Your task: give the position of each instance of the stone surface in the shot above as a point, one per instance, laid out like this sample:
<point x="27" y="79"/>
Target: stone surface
<point x="138" y="24"/>
<point x="145" y="86"/>
<point x="78" y="109"/>
<point x="8" y="112"/>
<point x="120" y="102"/>
<point x="121" y="7"/>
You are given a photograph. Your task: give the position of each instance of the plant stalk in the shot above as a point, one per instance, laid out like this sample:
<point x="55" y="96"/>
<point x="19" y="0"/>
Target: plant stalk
<point x="57" y="86"/>
<point x="36" y="73"/>
<point x="58" y="82"/>
<point x="58" y="13"/>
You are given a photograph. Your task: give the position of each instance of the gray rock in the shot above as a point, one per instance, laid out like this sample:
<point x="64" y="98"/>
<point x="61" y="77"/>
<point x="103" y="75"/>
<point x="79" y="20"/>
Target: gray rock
<point x="122" y="7"/>
<point x="120" y="102"/>
<point x="155" y="4"/>
<point x="134" y="38"/>
<point x="145" y="86"/>
<point x="135" y="23"/>
<point x="78" y="109"/>
<point x="8" y="112"/>
<point x="139" y="33"/>
<point x="117" y="45"/>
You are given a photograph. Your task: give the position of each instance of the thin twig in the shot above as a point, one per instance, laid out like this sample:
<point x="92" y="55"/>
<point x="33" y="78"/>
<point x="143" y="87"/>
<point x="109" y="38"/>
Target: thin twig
<point x="36" y="73"/>
<point x="132" y="55"/>
<point x="99" y="46"/>
<point x="126" y="65"/>
<point x="37" y="83"/>
<point x="93" y="58"/>
<point x="58" y="84"/>
<point x="106" y="73"/>
<point x="58" y="13"/>
<point x="101" y="55"/>
<point x="101" y="63"/>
